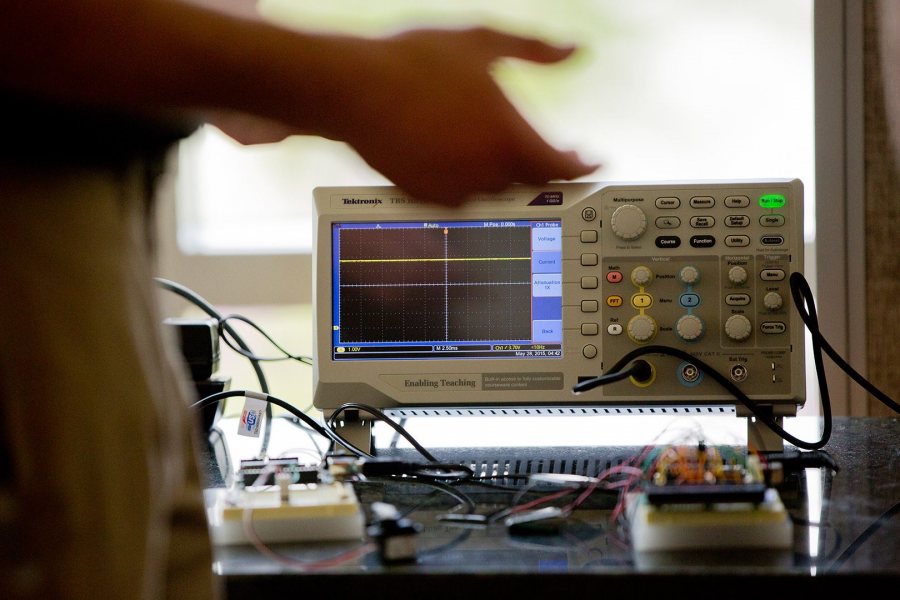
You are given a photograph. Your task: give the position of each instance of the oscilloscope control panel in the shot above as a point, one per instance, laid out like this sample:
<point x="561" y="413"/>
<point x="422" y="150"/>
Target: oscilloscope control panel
<point x="515" y="297"/>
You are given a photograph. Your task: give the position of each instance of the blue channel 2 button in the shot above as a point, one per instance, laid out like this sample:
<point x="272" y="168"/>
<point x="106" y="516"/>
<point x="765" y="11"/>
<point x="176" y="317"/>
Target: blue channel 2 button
<point x="689" y="300"/>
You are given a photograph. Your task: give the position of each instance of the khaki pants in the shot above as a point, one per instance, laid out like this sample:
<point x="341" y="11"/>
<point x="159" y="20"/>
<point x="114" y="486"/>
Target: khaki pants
<point x="101" y="496"/>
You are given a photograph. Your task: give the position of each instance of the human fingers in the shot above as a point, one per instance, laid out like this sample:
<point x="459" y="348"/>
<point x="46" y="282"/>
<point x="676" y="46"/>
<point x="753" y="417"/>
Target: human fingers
<point x="496" y="44"/>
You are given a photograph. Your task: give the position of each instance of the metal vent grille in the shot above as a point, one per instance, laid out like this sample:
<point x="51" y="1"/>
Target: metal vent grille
<point x="522" y="411"/>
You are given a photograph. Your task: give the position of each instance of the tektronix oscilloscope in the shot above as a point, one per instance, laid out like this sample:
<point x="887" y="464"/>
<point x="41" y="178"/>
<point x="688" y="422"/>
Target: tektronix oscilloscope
<point x="516" y="297"/>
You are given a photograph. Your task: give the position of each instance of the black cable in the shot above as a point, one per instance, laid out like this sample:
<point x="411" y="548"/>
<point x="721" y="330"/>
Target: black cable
<point x="866" y="534"/>
<point x="639" y="369"/>
<point x="384" y="418"/>
<point x="806" y="306"/>
<point x="223" y="330"/>
<point x="206" y="307"/>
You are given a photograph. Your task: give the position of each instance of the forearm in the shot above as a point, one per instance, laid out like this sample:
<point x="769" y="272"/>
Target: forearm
<point x="166" y="56"/>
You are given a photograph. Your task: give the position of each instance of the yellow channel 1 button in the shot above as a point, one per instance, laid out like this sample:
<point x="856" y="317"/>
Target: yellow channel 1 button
<point x="641" y="300"/>
<point x="614" y="301"/>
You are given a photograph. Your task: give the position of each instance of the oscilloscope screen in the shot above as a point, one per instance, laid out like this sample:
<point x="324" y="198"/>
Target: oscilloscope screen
<point x="461" y="289"/>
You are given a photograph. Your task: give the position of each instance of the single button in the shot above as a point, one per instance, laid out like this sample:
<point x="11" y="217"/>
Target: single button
<point x="667" y="222"/>
<point x="689" y="300"/>
<point x="702" y="222"/>
<point x="614" y="301"/>
<point x="641" y="276"/>
<point x="668" y="202"/>
<point x="737" y="275"/>
<point x="771" y="220"/>
<point x="589" y="351"/>
<point x="737" y="221"/>
<point x="737" y="201"/>
<point x="668" y="241"/>
<point x="590" y="283"/>
<point x="703" y="202"/>
<point x="737" y="299"/>
<point x="773" y="327"/>
<point x="703" y="241"/>
<point x="614" y="276"/>
<point x="590" y="306"/>
<point x="641" y="300"/>
<point x="737" y="241"/>
<point x="589" y="260"/>
<point x="614" y="329"/>
<point x="771" y="275"/>
<point x="588" y="214"/>
<point x="590" y="329"/>
<point x="589" y="236"/>
<point x="772" y="240"/>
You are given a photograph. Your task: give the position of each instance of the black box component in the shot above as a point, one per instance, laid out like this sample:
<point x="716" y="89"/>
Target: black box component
<point x="199" y="341"/>
<point x="262" y="472"/>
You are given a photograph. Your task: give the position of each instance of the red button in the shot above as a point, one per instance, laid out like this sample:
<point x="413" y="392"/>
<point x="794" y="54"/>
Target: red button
<point x="614" y="277"/>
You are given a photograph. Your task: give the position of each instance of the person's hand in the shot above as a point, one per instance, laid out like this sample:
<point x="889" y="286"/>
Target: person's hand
<point x="435" y="122"/>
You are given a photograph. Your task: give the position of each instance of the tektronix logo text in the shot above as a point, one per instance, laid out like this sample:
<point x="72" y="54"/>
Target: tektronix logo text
<point x="361" y="200"/>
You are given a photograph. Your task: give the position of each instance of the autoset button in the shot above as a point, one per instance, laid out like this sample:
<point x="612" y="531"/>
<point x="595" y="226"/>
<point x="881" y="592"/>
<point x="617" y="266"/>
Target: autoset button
<point x="772" y="240"/>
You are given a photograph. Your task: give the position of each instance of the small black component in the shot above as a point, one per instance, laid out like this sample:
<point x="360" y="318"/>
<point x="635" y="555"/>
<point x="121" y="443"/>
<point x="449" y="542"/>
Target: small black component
<point x="199" y="341"/>
<point x="660" y="495"/>
<point x="394" y="534"/>
<point x="262" y="472"/>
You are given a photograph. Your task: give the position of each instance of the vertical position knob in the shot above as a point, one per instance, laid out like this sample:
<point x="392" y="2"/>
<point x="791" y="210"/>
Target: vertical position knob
<point x="689" y="275"/>
<point x="641" y="328"/>
<point x="737" y="275"/>
<point x="738" y="327"/>
<point x="689" y="327"/>
<point x="628" y="222"/>
<point x="773" y="301"/>
<point x="641" y="276"/>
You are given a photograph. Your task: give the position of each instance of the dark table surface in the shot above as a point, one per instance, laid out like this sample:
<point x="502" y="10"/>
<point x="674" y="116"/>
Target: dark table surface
<point x="842" y="502"/>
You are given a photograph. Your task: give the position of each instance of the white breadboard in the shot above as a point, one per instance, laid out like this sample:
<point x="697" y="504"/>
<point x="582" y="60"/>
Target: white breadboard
<point x="739" y="525"/>
<point x="313" y="512"/>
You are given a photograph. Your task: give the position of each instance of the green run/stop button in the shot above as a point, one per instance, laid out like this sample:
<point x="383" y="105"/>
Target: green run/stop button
<point x="772" y="200"/>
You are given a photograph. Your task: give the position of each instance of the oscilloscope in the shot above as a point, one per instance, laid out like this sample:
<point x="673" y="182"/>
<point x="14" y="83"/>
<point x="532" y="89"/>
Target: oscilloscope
<point x="515" y="297"/>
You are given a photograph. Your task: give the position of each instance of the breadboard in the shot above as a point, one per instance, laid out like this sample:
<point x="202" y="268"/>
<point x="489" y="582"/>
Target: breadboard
<point x="313" y="512"/>
<point x="738" y="525"/>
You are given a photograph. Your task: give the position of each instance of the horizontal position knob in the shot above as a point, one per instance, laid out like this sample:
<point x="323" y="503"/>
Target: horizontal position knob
<point x="641" y="328"/>
<point x="738" y="327"/>
<point x="689" y="327"/>
<point x="737" y="275"/>
<point x="628" y="222"/>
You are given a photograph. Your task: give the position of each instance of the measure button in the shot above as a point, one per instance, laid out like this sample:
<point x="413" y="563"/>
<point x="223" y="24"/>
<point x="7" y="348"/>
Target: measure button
<point x="773" y="327"/>
<point x="614" y="276"/>
<point x="737" y="299"/>
<point x="703" y="202"/>
<point x="614" y="301"/>
<point x="668" y="241"/>
<point x="771" y="220"/>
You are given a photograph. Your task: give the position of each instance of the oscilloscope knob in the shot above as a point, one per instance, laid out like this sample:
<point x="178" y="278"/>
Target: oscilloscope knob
<point x="773" y="301"/>
<point x="641" y="328"/>
<point x="689" y="275"/>
<point x="738" y="327"/>
<point x="641" y="276"/>
<point x="737" y="275"/>
<point x="689" y="327"/>
<point x="628" y="222"/>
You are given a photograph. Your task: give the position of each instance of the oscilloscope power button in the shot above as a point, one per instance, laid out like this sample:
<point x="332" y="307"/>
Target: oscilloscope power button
<point x="628" y="222"/>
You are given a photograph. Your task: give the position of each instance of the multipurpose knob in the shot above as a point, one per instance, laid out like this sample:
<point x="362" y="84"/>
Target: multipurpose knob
<point x="689" y="327"/>
<point x="641" y="328"/>
<point x="738" y="327"/>
<point x="628" y="222"/>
